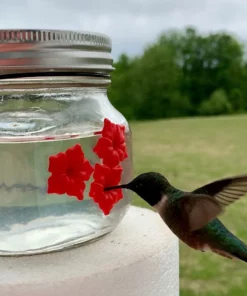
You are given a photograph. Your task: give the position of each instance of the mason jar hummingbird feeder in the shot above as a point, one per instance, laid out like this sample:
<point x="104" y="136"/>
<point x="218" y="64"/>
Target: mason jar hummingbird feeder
<point x="61" y="141"/>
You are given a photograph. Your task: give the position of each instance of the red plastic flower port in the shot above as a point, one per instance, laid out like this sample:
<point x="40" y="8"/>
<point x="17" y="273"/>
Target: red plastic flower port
<point x="105" y="176"/>
<point x="111" y="146"/>
<point x="69" y="172"/>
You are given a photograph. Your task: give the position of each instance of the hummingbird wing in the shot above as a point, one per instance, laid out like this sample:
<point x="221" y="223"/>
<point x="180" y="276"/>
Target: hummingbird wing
<point x="197" y="210"/>
<point x="225" y="191"/>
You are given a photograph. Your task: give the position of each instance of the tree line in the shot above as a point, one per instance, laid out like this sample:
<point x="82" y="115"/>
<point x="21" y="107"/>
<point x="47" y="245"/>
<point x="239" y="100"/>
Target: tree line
<point x="183" y="73"/>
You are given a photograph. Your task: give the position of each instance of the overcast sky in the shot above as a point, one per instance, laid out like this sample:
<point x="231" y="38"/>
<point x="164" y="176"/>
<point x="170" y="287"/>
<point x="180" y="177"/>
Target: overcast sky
<point x="130" y="23"/>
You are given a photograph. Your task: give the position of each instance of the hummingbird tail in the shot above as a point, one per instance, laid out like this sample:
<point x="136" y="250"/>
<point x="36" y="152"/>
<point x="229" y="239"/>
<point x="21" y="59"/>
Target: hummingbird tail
<point x="242" y="257"/>
<point x="239" y="256"/>
<point x="239" y="253"/>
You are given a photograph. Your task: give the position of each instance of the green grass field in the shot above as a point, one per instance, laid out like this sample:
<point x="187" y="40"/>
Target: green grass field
<point x="190" y="153"/>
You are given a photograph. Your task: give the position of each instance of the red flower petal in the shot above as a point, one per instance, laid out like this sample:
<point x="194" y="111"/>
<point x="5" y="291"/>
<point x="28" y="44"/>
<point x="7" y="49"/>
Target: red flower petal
<point x="78" y="177"/>
<point x="87" y="170"/>
<point x="99" y="197"/>
<point x="108" y="129"/>
<point x="57" y="184"/>
<point x="107" y="176"/>
<point x="104" y="177"/>
<point x="111" y="146"/>
<point x="75" y="151"/>
<point x="115" y="176"/>
<point x="115" y="195"/>
<point x="122" y="127"/>
<point x="102" y="146"/>
<point x="75" y="157"/>
<point x="119" y="194"/>
<point x="111" y="158"/>
<point x="69" y="172"/>
<point x="121" y="154"/>
<point x="76" y="189"/>
<point x="110" y="199"/>
<point x="100" y="173"/>
<point x="96" y="191"/>
<point x="119" y="136"/>
<point x="106" y="207"/>
<point x="58" y="163"/>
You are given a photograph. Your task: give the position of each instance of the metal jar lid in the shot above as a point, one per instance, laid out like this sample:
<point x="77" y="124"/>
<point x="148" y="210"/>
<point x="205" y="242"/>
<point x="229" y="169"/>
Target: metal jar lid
<point x="42" y="51"/>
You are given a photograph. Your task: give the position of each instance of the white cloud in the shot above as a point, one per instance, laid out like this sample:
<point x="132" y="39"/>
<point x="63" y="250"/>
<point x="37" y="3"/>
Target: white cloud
<point x="131" y="23"/>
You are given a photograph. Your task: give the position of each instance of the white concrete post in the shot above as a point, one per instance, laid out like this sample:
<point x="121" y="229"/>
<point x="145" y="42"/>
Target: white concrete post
<point x="139" y="258"/>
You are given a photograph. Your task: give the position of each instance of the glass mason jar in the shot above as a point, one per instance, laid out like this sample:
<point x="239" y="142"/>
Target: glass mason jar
<point x="53" y="96"/>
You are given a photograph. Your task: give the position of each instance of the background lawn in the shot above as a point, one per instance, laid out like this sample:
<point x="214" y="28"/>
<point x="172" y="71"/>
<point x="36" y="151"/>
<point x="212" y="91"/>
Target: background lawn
<point x="192" y="152"/>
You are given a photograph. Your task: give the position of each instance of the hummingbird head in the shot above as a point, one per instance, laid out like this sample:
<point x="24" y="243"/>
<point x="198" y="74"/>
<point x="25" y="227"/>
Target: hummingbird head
<point x="149" y="186"/>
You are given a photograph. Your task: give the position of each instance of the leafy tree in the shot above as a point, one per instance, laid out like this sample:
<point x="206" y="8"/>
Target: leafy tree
<point x="217" y="104"/>
<point x="208" y="62"/>
<point x="120" y="91"/>
<point x="183" y="73"/>
<point x="157" y="80"/>
<point x="236" y="99"/>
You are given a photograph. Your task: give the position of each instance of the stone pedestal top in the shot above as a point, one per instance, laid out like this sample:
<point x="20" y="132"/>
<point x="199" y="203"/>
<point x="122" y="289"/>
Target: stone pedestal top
<point x="140" y="257"/>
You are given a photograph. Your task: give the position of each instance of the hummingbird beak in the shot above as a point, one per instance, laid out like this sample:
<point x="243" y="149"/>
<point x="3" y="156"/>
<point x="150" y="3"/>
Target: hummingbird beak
<point x="117" y="187"/>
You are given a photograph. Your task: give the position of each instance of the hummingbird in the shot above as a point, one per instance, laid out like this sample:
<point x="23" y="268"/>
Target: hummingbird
<point x="192" y="216"/>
